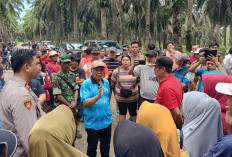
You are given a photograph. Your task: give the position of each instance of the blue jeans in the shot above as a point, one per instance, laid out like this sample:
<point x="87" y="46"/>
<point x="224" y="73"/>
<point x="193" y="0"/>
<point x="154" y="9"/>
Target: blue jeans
<point x="79" y="106"/>
<point x="104" y="135"/>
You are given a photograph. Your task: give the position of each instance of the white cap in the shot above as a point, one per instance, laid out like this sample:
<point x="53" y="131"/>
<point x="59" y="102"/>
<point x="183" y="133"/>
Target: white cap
<point x="224" y="88"/>
<point x="197" y="51"/>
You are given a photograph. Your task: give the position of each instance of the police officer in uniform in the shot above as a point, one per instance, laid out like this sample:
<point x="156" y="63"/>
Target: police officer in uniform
<point x="19" y="106"/>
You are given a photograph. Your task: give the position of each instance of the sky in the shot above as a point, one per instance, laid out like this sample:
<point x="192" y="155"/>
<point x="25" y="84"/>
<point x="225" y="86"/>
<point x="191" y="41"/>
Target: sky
<point x="26" y="7"/>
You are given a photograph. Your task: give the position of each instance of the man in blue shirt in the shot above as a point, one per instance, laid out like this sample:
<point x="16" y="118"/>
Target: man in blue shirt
<point x="95" y="94"/>
<point x="181" y="71"/>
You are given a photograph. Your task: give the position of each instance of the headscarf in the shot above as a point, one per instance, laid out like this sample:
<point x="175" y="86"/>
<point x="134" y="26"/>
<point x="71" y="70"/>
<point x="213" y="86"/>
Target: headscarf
<point x="53" y="135"/>
<point x="159" y="119"/>
<point x="209" y="83"/>
<point x="135" y="140"/>
<point x="202" y="127"/>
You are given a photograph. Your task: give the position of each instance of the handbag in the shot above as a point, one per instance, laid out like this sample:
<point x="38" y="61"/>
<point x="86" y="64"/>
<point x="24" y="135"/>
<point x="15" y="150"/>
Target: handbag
<point x="125" y="93"/>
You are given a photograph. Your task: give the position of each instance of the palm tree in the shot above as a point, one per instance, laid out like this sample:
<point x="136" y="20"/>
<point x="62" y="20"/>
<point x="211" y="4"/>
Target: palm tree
<point x="177" y="24"/>
<point x="75" y="22"/>
<point x="8" y="8"/>
<point x="148" y="20"/>
<point x="189" y="27"/>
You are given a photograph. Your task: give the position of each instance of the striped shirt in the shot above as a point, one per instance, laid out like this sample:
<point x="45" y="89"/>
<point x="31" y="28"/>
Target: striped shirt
<point x="111" y="63"/>
<point x="127" y="82"/>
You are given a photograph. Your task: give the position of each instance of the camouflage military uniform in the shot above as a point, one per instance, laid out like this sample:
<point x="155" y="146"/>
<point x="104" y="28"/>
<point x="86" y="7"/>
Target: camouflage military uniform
<point x="60" y="87"/>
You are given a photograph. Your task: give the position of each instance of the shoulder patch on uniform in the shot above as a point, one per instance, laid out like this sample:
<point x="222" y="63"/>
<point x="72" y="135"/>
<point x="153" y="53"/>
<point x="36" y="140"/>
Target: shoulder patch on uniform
<point x="27" y="104"/>
<point x="27" y="86"/>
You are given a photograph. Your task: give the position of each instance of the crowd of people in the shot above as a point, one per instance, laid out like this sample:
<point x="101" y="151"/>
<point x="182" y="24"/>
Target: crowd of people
<point x="179" y="105"/>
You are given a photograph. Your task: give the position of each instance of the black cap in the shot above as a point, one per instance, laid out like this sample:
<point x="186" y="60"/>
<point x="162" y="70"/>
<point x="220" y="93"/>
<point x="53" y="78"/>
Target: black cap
<point x="76" y="57"/>
<point x="151" y="53"/>
<point x="164" y="62"/>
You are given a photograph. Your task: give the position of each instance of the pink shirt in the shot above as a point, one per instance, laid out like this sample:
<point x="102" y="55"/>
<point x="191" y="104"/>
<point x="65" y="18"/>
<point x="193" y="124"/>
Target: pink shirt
<point x="172" y="56"/>
<point x="192" y="58"/>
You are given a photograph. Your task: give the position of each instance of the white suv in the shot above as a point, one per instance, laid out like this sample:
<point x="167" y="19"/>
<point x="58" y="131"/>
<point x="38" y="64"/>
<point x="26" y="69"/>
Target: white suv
<point x="49" y="44"/>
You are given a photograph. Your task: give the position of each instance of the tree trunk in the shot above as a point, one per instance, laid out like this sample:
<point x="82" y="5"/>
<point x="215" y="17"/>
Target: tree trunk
<point x="47" y="31"/>
<point x="177" y="25"/>
<point x="148" y="20"/>
<point x="114" y="18"/>
<point x="218" y="34"/>
<point x="165" y="34"/>
<point x="57" y="27"/>
<point x="5" y="35"/>
<point x="103" y="23"/>
<point x="40" y="33"/>
<point x="65" y="13"/>
<point x="224" y="35"/>
<point x="189" y="27"/>
<point x="202" y="40"/>
<point x="75" y="23"/>
<point x="230" y="32"/>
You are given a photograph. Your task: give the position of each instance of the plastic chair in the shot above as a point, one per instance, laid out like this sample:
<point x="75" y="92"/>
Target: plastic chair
<point x="11" y="140"/>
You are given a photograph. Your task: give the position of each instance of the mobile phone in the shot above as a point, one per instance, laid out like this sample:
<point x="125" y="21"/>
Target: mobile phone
<point x="3" y="149"/>
<point x="208" y="52"/>
<point x="142" y="62"/>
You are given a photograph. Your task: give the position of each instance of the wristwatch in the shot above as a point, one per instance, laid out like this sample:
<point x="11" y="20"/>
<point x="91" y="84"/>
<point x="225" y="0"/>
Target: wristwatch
<point x="217" y="64"/>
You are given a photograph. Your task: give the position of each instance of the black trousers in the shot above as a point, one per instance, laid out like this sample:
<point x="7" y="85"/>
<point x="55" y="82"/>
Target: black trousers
<point x="104" y="135"/>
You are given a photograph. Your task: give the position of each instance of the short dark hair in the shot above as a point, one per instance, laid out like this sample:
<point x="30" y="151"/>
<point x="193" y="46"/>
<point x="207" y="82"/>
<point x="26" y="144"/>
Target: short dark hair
<point x="4" y="46"/>
<point x="151" y="46"/>
<point x="44" y="45"/>
<point x="202" y="50"/>
<point x="135" y="42"/>
<point x="123" y="56"/>
<point x="170" y="42"/>
<point x="20" y="57"/>
<point x="169" y="70"/>
<point x="88" y="51"/>
<point x="214" y="44"/>
<point x="230" y="51"/>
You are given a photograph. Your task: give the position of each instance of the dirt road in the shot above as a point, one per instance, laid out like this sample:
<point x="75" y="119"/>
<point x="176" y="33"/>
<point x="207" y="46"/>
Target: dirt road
<point x="81" y="144"/>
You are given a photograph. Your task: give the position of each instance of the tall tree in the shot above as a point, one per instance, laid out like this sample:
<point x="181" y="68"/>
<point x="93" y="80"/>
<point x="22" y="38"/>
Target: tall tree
<point x="177" y="24"/>
<point x="75" y="22"/>
<point x="148" y="20"/>
<point x="103" y="5"/>
<point x="189" y="27"/>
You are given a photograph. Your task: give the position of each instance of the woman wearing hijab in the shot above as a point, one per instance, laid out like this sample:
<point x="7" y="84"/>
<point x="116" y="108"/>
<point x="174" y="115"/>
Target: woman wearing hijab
<point x="159" y="119"/>
<point x="209" y="83"/>
<point x="223" y="148"/>
<point x="135" y="140"/>
<point x="53" y="135"/>
<point x="202" y="127"/>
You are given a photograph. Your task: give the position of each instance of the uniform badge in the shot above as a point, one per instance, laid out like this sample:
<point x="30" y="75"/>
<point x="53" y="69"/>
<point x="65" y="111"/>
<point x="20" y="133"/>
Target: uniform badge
<point x="27" y="104"/>
<point x="27" y="86"/>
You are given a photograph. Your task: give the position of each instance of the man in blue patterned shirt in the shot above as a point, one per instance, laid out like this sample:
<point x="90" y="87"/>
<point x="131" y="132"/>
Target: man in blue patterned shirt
<point x="95" y="94"/>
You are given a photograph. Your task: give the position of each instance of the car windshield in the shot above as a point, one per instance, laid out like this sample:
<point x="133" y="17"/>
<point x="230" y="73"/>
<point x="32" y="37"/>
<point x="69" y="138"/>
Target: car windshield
<point x="73" y="46"/>
<point x="48" y="43"/>
<point x="110" y="44"/>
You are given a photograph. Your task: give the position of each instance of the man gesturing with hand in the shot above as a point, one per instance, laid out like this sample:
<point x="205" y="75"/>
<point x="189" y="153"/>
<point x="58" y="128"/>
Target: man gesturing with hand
<point x="95" y="93"/>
